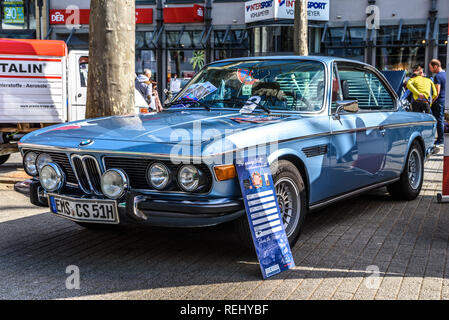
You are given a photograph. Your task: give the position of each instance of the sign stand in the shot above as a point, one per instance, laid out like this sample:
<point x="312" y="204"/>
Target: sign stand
<point x="265" y="221"/>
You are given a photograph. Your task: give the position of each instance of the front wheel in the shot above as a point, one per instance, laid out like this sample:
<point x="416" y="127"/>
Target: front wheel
<point x="292" y="200"/>
<point x="410" y="183"/>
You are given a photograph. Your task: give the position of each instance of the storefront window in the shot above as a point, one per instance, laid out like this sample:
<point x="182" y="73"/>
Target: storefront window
<point x="348" y="43"/>
<point x="145" y="53"/>
<point x="184" y="39"/>
<point x="272" y="39"/>
<point x="17" y="15"/>
<point x="230" y="44"/>
<point x="400" y="51"/>
<point x="442" y="45"/>
<point x="399" y="58"/>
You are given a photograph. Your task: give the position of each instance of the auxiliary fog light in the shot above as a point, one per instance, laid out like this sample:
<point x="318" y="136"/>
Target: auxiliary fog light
<point x="188" y="178"/>
<point x="158" y="175"/>
<point x="114" y="183"/>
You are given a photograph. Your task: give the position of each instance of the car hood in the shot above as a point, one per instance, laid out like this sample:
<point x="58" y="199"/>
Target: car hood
<point x="168" y="127"/>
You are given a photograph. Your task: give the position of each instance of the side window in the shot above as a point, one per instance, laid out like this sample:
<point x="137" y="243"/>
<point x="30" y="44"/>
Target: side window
<point x="336" y="91"/>
<point x="366" y="87"/>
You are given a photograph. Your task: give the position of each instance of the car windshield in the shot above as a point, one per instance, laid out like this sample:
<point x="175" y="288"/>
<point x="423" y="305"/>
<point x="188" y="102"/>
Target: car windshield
<point x="288" y="85"/>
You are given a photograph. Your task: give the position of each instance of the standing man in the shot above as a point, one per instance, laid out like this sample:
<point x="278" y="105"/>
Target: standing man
<point x="423" y="89"/>
<point x="155" y="96"/>
<point x="439" y="102"/>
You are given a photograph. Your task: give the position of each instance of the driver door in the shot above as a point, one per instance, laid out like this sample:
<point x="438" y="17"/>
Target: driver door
<point x="358" y="143"/>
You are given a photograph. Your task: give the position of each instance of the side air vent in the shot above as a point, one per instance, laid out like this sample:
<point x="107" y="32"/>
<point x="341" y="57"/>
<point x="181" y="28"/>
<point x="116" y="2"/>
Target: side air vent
<point x="315" y="151"/>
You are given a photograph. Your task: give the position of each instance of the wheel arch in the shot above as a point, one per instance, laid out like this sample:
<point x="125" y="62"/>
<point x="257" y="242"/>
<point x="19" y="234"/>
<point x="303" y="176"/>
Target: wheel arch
<point x="414" y="137"/>
<point x="298" y="163"/>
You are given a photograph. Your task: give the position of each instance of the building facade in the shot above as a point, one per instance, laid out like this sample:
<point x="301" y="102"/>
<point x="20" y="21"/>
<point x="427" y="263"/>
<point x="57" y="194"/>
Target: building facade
<point x="176" y="37"/>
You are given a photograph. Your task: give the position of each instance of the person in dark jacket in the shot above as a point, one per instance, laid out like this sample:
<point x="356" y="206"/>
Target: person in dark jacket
<point x="439" y="102"/>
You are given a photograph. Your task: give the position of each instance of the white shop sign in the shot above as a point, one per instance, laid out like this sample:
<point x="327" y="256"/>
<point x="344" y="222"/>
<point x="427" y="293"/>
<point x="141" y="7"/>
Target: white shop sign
<point x="257" y="10"/>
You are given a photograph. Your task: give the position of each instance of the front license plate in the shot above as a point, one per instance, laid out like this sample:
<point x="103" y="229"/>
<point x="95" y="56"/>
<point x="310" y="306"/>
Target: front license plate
<point x="84" y="210"/>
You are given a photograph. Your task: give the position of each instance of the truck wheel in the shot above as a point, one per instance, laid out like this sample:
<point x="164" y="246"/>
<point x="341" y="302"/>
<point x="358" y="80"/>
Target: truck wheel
<point x="292" y="199"/>
<point x="4" y="158"/>
<point x="409" y="185"/>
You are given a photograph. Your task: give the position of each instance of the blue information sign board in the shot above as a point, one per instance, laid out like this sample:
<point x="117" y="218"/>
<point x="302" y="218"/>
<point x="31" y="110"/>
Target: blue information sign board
<point x="265" y="221"/>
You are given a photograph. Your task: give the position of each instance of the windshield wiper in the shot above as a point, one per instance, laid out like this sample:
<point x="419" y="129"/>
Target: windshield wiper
<point x="190" y="102"/>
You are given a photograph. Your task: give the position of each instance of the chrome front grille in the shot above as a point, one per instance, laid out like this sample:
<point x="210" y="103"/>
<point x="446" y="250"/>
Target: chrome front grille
<point x="88" y="173"/>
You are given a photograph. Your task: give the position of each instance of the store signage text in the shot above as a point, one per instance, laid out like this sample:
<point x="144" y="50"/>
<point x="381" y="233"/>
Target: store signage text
<point x="13" y="12"/>
<point x="257" y="10"/>
<point x="62" y="16"/>
<point x="260" y="9"/>
<point x="20" y="68"/>
<point x="184" y="14"/>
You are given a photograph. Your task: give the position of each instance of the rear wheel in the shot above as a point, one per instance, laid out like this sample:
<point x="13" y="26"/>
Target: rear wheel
<point x="410" y="183"/>
<point x="292" y="199"/>
<point x="4" y="158"/>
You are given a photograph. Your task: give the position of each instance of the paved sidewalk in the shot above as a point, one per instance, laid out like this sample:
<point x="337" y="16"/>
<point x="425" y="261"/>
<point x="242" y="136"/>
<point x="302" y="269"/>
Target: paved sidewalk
<point x="370" y="247"/>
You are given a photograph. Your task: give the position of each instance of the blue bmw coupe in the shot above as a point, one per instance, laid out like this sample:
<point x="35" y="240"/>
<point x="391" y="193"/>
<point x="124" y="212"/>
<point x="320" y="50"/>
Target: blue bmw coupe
<point x="331" y="129"/>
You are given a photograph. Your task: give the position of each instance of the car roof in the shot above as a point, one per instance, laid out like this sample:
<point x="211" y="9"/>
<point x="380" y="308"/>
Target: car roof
<point x="323" y="59"/>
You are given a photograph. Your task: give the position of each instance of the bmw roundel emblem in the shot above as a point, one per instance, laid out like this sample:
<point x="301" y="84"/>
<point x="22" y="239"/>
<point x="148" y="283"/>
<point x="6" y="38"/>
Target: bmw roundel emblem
<point x="86" y="142"/>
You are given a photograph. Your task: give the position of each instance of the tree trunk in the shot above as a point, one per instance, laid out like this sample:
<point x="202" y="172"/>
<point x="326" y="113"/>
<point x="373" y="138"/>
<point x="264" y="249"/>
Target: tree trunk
<point x="300" y="41"/>
<point x="110" y="86"/>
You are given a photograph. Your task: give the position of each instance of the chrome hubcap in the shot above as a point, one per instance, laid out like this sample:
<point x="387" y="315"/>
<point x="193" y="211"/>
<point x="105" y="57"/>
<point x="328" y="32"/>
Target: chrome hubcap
<point x="414" y="169"/>
<point x="289" y="203"/>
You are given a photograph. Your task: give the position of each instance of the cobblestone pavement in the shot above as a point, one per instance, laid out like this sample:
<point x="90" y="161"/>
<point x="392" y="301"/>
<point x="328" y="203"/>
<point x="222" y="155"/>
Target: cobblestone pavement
<point x="337" y="256"/>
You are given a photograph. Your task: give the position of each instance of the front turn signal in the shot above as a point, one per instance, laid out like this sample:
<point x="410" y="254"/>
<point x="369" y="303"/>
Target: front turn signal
<point x="225" y="172"/>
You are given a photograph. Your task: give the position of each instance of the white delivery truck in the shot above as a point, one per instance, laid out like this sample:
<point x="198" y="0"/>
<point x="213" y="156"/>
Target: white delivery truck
<point x="41" y="83"/>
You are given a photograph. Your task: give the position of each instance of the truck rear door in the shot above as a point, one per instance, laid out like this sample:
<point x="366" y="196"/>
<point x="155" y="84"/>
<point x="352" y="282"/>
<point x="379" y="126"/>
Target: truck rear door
<point x="77" y="84"/>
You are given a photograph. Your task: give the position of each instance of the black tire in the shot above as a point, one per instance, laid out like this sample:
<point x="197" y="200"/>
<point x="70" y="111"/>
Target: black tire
<point x="410" y="183"/>
<point x="4" y="158"/>
<point x="285" y="175"/>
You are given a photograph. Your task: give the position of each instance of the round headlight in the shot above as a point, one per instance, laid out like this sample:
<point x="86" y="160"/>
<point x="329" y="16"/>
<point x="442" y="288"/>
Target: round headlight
<point x="158" y="175"/>
<point x="114" y="183"/>
<point x="42" y="160"/>
<point x="29" y="163"/>
<point x="188" y="177"/>
<point x="51" y="177"/>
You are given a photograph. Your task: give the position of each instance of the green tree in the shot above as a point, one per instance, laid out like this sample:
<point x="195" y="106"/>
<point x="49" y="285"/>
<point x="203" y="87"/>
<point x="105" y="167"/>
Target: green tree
<point x="197" y="60"/>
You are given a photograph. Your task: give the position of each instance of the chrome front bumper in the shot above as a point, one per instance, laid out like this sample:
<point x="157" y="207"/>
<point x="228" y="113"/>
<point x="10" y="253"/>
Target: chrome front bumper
<point x="140" y="209"/>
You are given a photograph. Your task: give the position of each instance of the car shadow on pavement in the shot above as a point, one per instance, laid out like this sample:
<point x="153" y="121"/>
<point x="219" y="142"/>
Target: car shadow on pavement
<point x="41" y="254"/>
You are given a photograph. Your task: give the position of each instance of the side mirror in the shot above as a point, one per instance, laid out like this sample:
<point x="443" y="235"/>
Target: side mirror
<point x="351" y="106"/>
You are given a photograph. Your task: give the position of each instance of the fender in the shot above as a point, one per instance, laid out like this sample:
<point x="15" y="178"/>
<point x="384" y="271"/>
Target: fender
<point x="298" y="159"/>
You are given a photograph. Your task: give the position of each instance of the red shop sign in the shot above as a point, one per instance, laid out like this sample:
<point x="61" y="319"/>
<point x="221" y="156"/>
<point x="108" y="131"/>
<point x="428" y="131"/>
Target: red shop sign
<point x="184" y="14"/>
<point x="61" y="16"/>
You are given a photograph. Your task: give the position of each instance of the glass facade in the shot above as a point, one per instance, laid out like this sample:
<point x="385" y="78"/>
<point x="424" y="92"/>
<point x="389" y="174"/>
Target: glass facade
<point x="18" y="19"/>
<point x="145" y="52"/>
<point x="400" y="48"/>
<point x="278" y="39"/>
<point x="230" y="44"/>
<point x="345" y="42"/>
<point x="442" y="45"/>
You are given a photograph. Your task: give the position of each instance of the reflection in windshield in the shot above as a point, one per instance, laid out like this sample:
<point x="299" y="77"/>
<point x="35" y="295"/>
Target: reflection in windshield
<point x="291" y="85"/>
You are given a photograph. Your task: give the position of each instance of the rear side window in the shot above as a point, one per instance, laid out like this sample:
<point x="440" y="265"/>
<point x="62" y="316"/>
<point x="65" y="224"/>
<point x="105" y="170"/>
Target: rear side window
<point x="367" y="88"/>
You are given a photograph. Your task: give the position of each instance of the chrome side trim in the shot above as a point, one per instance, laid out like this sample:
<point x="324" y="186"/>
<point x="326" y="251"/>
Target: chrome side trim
<point x="351" y="194"/>
<point x="159" y="156"/>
